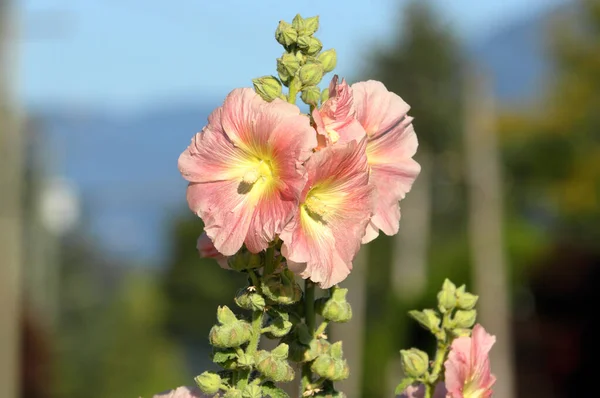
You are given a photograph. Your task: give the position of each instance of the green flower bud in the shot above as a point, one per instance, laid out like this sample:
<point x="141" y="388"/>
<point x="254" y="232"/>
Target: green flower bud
<point x="252" y="391"/>
<point x="299" y="24"/>
<point x="335" y="308"/>
<point x="226" y="358"/>
<point x="268" y="87"/>
<point x="282" y="288"/>
<point x="279" y="325"/>
<point x="250" y="300"/>
<point x="330" y="368"/>
<point x="244" y="260"/>
<point x="274" y="365"/>
<point x="464" y="319"/>
<point x="232" y="332"/>
<point x="336" y="351"/>
<point x="447" y="296"/>
<point x="427" y="318"/>
<point x="311" y="74"/>
<point x="414" y="362"/>
<point x="328" y="59"/>
<point x="287" y="66"/>
<point x="311" y="25"/>
<point x="285" y="34"/>
<point x="233" y="393"/>
<point x="466" y="300"/>
<point x="461" y="332"/>
<point x="309" y="45"/>
<point x="311" y="95"/>
<point x="324" y="95"/>
<point x="208" y="382"/>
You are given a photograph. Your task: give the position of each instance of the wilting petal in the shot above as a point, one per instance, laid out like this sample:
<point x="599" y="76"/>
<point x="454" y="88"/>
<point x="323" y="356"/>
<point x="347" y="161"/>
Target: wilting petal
<point x="335" y="120"/>
<point x="468" y="373"/>
<point x="182" y="392"/>
<point x="207" y="249"/>
<point x="246" y="170"/>
<point x="392" y="143"/>
<point x="324" y="236"/>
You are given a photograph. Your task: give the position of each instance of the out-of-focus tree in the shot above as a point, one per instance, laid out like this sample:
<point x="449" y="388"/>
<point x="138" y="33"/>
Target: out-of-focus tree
<point x="423" y="66"/>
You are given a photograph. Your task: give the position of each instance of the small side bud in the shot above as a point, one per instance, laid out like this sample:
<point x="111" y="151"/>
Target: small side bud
<point x="231" y="332"/>
<point x="335" y="308"/>
<point x="466" y="301"/>
<point x="281" y="351"/>
<point x="282" y="288"/>
<point x="330" y="368"/>
<point x="268" y="87"/>
<point x="299" y="24"/>
<point x="250" y="301"/>
<point x="311" y="74"/>
<point x="328" y="59"/>
<point x="311" y="95"/>
<point x="324" y="95"/>
<point x="464" y="319"/>
<point x="310" y="45"/>
<point x="311" y="25"/>
<point x="225" y="316"/>
<point x="273" y="366"/>
<point x="208" y="382"/>
<point x="414" y="362"/>
<point x="287" y="66"/>
<point x="285" y="34"/>
<point x="427" y="318"/>
<point x="447" y="296"/>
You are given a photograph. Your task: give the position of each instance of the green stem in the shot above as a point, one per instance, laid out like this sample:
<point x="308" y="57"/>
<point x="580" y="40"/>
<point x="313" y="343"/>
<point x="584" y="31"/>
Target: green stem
<point x="309" y="318"/>
<point x="270" y="261"/>
<point x="438" y="361"/>
<point x="293" y="91"/>
<point x="321" y="328"/>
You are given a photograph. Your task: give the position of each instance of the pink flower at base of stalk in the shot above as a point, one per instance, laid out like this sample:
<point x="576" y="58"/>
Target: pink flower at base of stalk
<point x="182" y="392"/>
<point x="418" y="391"/>
<point x="246" y="170"/>
<point x="335" y="121"/>
<point x="207" y="249"/>
<point x="325" y="234"/>
<point x="468" y="373"/>
<point x="392" y="143"/>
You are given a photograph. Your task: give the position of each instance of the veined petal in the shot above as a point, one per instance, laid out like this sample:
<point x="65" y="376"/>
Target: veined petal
<point x="330" y="222"/>
<point x="246" y="170"/>
<point x="335" y="120"/>
<point x="392" y="143"/>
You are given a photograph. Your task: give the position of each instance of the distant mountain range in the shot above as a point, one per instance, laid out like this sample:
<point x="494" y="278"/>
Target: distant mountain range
<point x="126" y="166"/>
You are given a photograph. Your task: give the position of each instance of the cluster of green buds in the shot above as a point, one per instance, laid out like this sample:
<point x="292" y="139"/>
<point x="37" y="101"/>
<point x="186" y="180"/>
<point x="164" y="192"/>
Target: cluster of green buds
<point x="454" y="317"/>
<point x="301" y="67"/>
<point x="267" y="308"/>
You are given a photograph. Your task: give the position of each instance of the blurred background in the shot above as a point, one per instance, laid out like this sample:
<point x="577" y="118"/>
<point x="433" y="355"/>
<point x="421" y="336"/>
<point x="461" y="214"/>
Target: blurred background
<point x="102" y="293"/>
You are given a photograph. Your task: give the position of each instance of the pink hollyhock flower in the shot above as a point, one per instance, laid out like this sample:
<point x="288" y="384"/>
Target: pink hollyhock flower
<point x="182" y="392"/>
<point x="324" y="235"/>
<point x="335" y="120"/>
<point x="391" y="145"/>
<point x="206" y="249"/>
<point x="418" y="391"/>
<point x="245" y="170"/>
<point x="468" y="372"/>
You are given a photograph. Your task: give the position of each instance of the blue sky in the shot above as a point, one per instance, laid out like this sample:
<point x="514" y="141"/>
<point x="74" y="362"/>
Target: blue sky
<point x="132" y="53"/>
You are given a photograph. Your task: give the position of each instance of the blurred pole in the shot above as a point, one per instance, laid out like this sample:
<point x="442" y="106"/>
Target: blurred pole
<point x="485" y="226"/>
<point x="11" y="178"/>
<point x="352" y="333"/>
<point x="409" y="263"/>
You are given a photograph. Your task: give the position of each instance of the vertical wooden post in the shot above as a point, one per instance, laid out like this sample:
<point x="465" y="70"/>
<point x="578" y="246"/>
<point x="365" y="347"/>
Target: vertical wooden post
<point x="11" y="177"/>
<point x="485" y="226"/>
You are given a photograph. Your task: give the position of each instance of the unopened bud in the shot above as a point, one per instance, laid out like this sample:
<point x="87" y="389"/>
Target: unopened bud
<point x="274" y="365"/>
<point x="268" y="87"/>
<point x="231" y="332"/>
<point x="285" y="34"/>
<point x="311" y="25"/>
<point x="461" y="332"/>
<point x="466" y="301"/>
<point x="309" y="45"/>
<point x="208" y="382"/>
<point x="427" y="318"/>
<point x="335" y="308"/>
<point x="250" y="300"/>
<point x="324" y="95"/>
<point x="447" y="296"/>
<point x="287" y="66"/>
<point x="298" y="23"/>
<point x="414" y="362"/>
<point x="464" y="319"/>
<point x="244" y="260"/>
<point x="330" y="368"/>
<point x="279" y="325"/>
<point x="311" y="74"/>
<point x="328" y="59"/>
<point x="311" y="95"/>
<point x="282" y="288"/>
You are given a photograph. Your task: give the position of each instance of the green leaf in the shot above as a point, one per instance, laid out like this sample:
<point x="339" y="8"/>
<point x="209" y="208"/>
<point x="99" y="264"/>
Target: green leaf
<point x="223" y="356"/>
<point x="270" y="390"/>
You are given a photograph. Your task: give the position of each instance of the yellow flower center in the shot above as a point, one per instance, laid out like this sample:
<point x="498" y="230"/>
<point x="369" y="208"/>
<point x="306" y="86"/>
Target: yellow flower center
<point x="315" y="206"/>
<point x="259" y="172"/>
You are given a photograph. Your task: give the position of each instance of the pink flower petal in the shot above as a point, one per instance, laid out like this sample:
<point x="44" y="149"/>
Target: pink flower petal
<point x="335" y="120"/>
<point x="468" y="373"/>
<point x="324" y="236"/>
<point x="207" y="249"/>
<point x="182" y="392"/>
<point x="391" y="145"/>
<point x="246" y="170"/>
